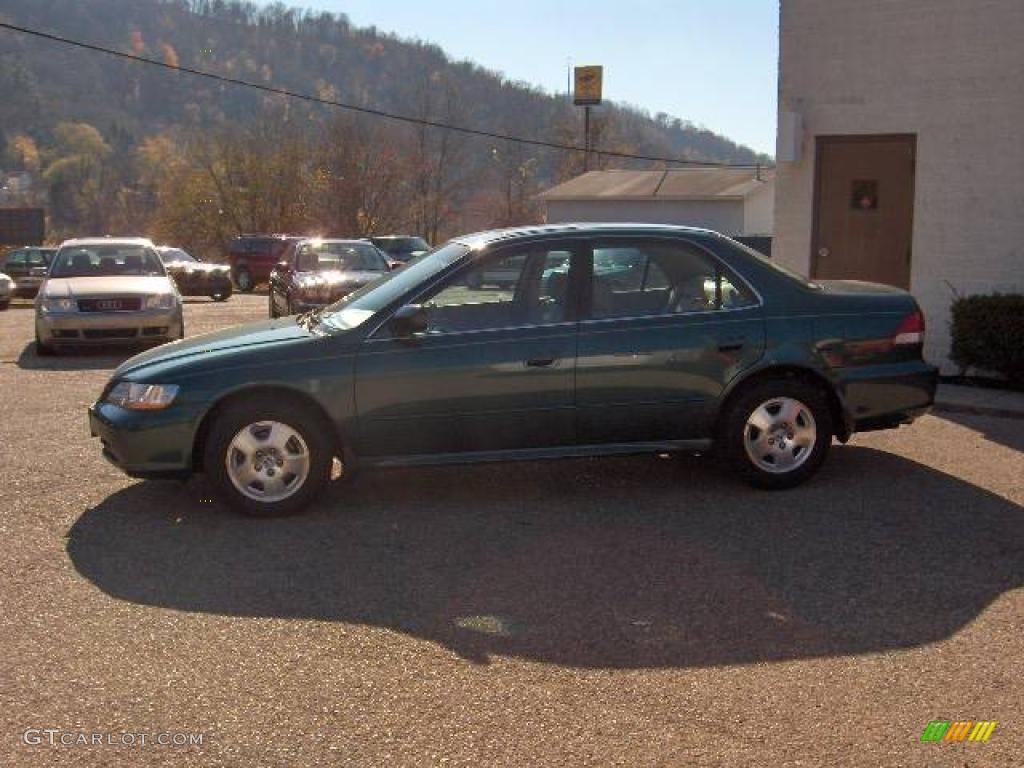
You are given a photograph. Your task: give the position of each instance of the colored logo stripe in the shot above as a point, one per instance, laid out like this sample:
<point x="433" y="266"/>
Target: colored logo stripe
<point x="982" y="730"/>
<point x="935" y="730"/>
<point x="958" y="730"/>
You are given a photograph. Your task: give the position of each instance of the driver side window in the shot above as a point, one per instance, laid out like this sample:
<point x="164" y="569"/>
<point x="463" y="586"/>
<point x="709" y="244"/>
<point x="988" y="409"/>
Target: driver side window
<point x="525" y="287"/>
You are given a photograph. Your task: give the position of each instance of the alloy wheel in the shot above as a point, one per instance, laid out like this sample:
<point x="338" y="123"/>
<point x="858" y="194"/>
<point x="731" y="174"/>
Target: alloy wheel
<point x="267" y="461"/>
<point x="779" y="435"/>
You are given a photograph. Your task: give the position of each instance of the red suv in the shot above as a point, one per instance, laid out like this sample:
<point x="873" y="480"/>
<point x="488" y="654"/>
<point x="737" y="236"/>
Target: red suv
<point x="252" y="257"/>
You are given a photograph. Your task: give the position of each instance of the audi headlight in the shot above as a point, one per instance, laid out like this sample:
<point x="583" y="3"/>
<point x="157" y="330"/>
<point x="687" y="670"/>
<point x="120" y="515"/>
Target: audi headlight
<point x="142" y="397"/>
<point x="160" y="301"/>
<point x="58" y="305"/>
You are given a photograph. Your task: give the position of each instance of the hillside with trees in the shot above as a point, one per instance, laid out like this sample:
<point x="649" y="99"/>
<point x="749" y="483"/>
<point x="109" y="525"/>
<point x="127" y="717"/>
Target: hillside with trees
<point x="123" y="147"/>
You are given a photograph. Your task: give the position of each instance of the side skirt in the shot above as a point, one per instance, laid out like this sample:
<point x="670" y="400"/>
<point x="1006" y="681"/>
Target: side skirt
<point x="533" y="454"/>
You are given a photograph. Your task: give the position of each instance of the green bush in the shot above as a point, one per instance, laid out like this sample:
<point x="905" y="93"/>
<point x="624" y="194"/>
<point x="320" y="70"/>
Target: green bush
<point x="988" y="333"/>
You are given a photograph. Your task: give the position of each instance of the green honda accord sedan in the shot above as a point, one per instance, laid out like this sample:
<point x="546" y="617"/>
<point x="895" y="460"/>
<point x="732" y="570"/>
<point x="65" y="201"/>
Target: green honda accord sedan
<point x="598" y="340"/>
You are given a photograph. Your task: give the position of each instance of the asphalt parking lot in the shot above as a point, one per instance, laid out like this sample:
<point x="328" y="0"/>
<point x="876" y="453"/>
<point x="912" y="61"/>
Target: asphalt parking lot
<point x="636" y="611"/>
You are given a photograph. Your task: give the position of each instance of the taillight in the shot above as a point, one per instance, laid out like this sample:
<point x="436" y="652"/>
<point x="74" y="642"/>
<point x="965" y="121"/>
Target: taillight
<point x="910" y="330"/>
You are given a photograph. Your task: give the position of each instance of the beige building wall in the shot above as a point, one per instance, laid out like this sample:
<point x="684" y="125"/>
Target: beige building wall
<point x="949" y="71"/>
<point x="759" y="211"/>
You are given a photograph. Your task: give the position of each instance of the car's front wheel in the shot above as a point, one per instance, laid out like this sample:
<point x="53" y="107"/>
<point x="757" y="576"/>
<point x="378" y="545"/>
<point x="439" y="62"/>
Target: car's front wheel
<point x="268" y="457"/>
<point x="43" y="350"/>
<point x="777" y="433"/>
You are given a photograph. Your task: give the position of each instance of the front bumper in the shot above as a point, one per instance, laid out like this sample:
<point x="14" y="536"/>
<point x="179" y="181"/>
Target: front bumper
<point x="56" y="328"/>
<point x="144" y="443"/>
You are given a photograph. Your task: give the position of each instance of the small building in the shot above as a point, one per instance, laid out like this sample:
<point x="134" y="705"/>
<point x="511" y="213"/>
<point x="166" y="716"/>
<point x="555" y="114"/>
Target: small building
<point x="899" y="156"/>
<point x="733" y="201"/>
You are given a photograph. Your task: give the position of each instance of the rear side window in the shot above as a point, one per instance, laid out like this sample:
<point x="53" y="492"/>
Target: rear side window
<point x="15" y="259"/>
<point x="643" y="278"/>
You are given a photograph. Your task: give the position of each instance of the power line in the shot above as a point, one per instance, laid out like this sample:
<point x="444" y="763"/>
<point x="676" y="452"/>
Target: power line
<point x="364" y="110"/>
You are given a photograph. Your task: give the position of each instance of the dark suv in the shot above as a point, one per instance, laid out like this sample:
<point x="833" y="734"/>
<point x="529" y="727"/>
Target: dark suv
<point x="252" y="257"/>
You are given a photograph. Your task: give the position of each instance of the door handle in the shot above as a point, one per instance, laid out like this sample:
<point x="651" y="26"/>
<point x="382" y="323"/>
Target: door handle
<point x="540" y="362"/>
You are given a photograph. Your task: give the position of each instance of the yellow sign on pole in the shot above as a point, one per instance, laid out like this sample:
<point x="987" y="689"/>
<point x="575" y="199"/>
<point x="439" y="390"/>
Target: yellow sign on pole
<point x="588" y="85"/>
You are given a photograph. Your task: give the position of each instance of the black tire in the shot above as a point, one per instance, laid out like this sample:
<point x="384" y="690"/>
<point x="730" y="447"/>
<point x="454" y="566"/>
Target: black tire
<point x="300" y="417"/>
<point x="244" y="281"/>
<point x="42" y="350"/>
<point x="221" y="294"/>
<point x="733" y="433"/>
<point x="270" y="304"/>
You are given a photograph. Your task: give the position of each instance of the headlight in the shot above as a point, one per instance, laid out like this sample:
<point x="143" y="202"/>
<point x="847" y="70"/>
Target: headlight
<point x="57" y="305"/>
<point x="160" y="301"/>
<point x="142" y="397"/>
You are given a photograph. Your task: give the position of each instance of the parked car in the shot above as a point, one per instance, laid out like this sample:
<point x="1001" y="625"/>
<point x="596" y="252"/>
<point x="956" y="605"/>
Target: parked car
<point x="28" y="266"/>
<point x="106" y="290"/>
<point x="194" y="277"/>
<point x="401" y="248"/>
<point x="718" y="348"/>
<point x="252" y="258"/>
<point x="320" y="272"/>
<point x="6" y="290"/>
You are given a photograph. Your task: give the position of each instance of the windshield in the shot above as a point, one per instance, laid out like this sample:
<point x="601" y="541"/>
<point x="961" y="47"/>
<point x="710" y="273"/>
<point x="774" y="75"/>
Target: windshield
<point x="106" y="260"/>
<point x="175" y="254"/>
<point x="320" y="256"/>
<point x="401" y="244"/>
<point x="359" y="306"/>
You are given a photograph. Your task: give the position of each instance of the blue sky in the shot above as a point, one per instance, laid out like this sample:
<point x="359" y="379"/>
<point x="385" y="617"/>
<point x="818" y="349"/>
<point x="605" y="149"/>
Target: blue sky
<point x="713" y="62"/>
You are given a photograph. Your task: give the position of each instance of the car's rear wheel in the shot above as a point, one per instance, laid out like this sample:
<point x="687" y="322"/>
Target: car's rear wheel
<point x="244" y="281"/>
<point x="221" y="294"/>
<point x="268" y="457"/>
<point x="777" y="433"/>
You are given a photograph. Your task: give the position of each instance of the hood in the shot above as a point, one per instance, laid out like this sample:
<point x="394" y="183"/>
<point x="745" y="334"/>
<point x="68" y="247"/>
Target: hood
<point x="331" y="285"/>
<point x="334" y="277"/>
<point x="120" y="285"/>
<point x="262" y="333"/>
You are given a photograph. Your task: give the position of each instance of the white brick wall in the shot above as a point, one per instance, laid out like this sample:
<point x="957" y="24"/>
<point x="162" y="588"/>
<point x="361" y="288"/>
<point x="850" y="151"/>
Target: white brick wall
<point x="950" y="71"/>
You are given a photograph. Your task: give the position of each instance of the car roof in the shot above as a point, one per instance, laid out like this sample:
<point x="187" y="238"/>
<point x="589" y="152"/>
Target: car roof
<point x="481" y="239"/>
<point x="86" y="241"/>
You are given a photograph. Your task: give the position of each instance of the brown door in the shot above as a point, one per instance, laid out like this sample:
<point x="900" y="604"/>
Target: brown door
<point x="864" y="208"/>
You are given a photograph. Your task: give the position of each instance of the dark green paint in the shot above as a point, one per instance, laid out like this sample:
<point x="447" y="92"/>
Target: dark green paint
<point x="646" y="382"/>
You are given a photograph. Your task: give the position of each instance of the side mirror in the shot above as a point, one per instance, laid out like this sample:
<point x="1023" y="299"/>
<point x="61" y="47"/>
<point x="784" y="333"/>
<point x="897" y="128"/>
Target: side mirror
<point x="408" y="321"/>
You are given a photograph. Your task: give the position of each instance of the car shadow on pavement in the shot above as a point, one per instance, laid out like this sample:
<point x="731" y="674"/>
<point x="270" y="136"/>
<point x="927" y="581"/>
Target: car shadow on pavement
<point x="615" y="563"/>
<point x="1008" y="431"/>
<point x="76" y="359"/>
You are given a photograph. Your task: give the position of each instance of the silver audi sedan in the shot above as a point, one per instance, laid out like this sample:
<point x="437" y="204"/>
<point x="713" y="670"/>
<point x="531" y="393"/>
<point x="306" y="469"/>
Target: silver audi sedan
<point x="107" y="291"/>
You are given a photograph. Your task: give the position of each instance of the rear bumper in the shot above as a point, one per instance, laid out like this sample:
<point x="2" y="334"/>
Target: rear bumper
<point x="143" y="444"/>
<point x="27" y="286"/>
<point x="884" y="397"/>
